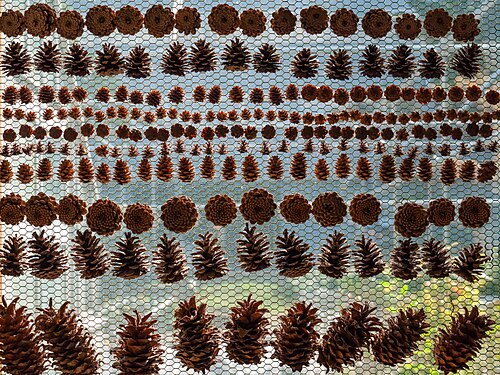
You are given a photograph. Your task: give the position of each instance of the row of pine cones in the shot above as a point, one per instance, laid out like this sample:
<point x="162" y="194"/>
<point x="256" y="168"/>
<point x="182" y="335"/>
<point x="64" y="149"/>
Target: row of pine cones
<point x="450" y="172"/>
<point x="45" y="259"/>
<point x="58" y="337"/>
<point x="236" y="56"/>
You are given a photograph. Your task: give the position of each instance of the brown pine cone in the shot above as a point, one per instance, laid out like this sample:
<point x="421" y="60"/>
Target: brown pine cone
<point x="221" y="210"/>
<point x="329" y="209"/>
<point x="103" y="173"/>
<point x="275" y="168"/>
<point x="12" y="209"/>
<point x="104" y="217"/>
<point x="257" y="206"/>
<point x="363" y="169"/>
<point x="179" y="214"/>
<point x="298" y="166"/>
<point x="343" y="166"/>
<point x="411" y="220"/>
<point x="295" y="208"/>
<point x="441" y="212"/>
<point x="474" y="212"/>
<point x="467" y="170"/>
<point x="448" y="171"/>
<point x="121" y="172"/>
<point x="223" y="19"/>
<point x="138" y="218"/>
<point x="364" y="209"/>
<point x="100" y="20"/>
<point x="24" y="174"/>
<point x="71" y="209"/>
<point x="250" y="169"/>
<point x="85" y="170"/>
<point x="41" y="210"/>
<point x="229" y="168"/>
<point x="487" y="171"/>
<point x="322" y="170"/>
<point x="283" y="21"/>
<point x="424" y="170"/>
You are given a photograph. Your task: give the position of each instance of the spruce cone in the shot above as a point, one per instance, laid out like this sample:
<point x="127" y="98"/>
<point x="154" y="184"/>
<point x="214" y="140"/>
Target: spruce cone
<point x="470" y="262"/>
<point x="229" y="168"/>
<point x="467" y="60"/>
<point x="46" y="260"/>
<point x="12" y="257"/>
<point x="257" y="206"/>
<point x="347" y="335"/>
<point x="267" y="59"/>
<point x="89" y="255"/>
<point x="322" y="170"/>
<point x="459" y="343"/>
<point x="71" y="209"/>
<point x="305" y="64"/>
<point x="169" y="261"/>
<point x="12" y="209"/>
<point x="253" y="250"/>
<point x="424" y="169"/>
<point x="441" y="212"/>
<point x="179" y="214"/>
<point x="130" y="260"/>
<point x="196" y="339"/>
<point x="174" y="61"/>
<point x="436" y="259"/>
<point x="275" y="168"/>
<point x="395" y="343"/>
<point x="139" y="350"/>
<point x="296" y="337"/>
<point x="448" y="171"/>
<point x="202" y="57"/>
<point x="367" y="258"/>
<point x="365" y="209"/>
<point x="474" y="212"/>
<point x="363" y="169"/>
<point x="432" y="65"/>
<point x="208" y="259"/>
<point x="329" y="209"/>
<point x="41" y="210"/>
<point x="236" y="56"/>
<point x="334" y="258"/>
<point x="22" y="352"/>
<point x="77" y="61"/>
<point x="221" y="210"/>
<point x="292" y="259"/>
<point x="372" y="63"/>
<point x="405" y="260"/>
<point x="104" y="217"/>
<point x="338" y="65"/>
<point x="15" y="60"/>
<point x="138" y="63"/>
<point x="387" y="169"/>
<point x="109" y="61"/>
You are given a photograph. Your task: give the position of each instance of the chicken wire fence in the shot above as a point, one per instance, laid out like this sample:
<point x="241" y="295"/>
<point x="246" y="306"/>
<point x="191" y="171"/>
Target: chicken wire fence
<point x="100" y="302"/>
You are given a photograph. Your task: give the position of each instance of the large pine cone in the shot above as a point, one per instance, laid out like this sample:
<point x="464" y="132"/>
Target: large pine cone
<point x="329" y="209"/>
<point x="179" y="214"/>
<point x="138" y="218"/>
<point x="257" y="206"/>
<point x="221" y="210"/>
<point x="474" y="212"/>
<point x="253" y="250"/>
<point x="295" y="208"/>
<point x="12" y="209"/>
<point x="441" y="212"/>
<point x="41" y="210"/>
<point x="411" y="220"/>
<point x="365" y="209"/>
<point x="71" y="209"/>
<point x="104" y="217"/>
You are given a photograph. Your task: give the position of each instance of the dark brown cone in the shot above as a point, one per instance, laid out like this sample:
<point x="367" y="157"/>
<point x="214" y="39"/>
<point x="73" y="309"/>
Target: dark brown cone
<point x="275" y="168"/>
<point x="470" y="262"/>
<point x="139" y="349"/>
<point x="185" y="170"/>
<point x="41" y="210"/>
<point x="334" y="258"/>
<point x="104" y="217"/>
<point x="387" y="169"/>
<point x="103" y="173"/>
<point x="407" y="169"/>
<point x="459" y="342"/>
<point x="169" y="261"/>
<point x="46" y="260"/>
<point x="411" y="220"/>
<point x="174" y="61"/>
<point x="401" y="63"/>
<point x="179" y="214"/>
<point x="208" y="259"/>
<point x="121" y="172"/>
<point x="292" y="258"/>
<point x="363" y="169"/>
<point x="467" y="171"/>
<point x="329" y="209"/>
<point x="202" y="57"/>
<point x="109" y="61"/>
<point x="367" y="258"/>
<point x="399" y="340"/>
<point x="424" y="170"/>
<point x="432" y="65"/>
<point x="221" y="210"/>
<point x="338" y="66"/>
<point x="487" y="171"/>
<point x="298" y="166"/>
<point x="405" y="260"/>
<point x="12" y="257"/>
<point x="236" y="56"/>
<point x="246" y="332"/>
<point x="347" y="335"/>
<point x="138" y="63"/>
<point x="322" y="170"/>
<point x="77" y="62"/>
<point x="22" y="352"/>
<point x="130" y="260"/>
<point x="71" y="209"/>
<point x="12" y="209"/>
<point x="229" y="168"/>
<point x="253" y="250"/>
<point x="6" y="172"/>
<point x="364" y="209"/>
<point x="295" y="208"/>
<point x="474" y="212"/>
<point x="297" y="326"/>
<point x="372" y="63"/>
<point x="441" y="212"/>
<point x="343" y="166"/>
<point x="467" y="60"/>
<point x="207" y="168"/>
<point x="89" y="255"/>
<point x="267" y="60"/>
<point x="164" y="170"/>
<point x="196" y="339"/>
<point x="65" y="170"/>
<point x="85" y="170"/>
<point x="250" y="169"/>
<point x="145" y="170"/>
<point x="436" y="259"/>
<point x="15" y="60"/>
<point x="24" y="174"/>
<point x="448" y="171"/>
<point x="305" y="64"/>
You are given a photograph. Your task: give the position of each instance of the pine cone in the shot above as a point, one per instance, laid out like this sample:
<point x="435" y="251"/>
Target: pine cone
<point x="405" y="260"/>
<point x="246" y="332"/>
<point x="334" y="258"/>
<point x="297" y="326"/>
<point x="89" y="255"/>
<point x="104" y="217"/>
<point x="372" y="63"/>
<point x="208" y="259"/>
<point x="411" y="220"/>
<point x="174" y="61"/>
<point x="46" y="260"/>
<point x="236" y="56"/>
<point x="65" y="171"/>
<point x="77" y="61"/>
<point x="229" y="168"/>
<point x="487" y="171"/>
<point x="467" y="171"/>
<point x="432" y="65"/>
<point x="221" y="210"/>
<point x="363" y="169"/>
<point x="121" y="173"/>
<point x="275" y="168"/>
<point x="15" y="60"/>
<point x="179" y="214"/>
<point x="12" y="23"/>
<point x="207" y="168"/>
<point x="329" y="209"/>
<point x="292" y="259"/>
<point x="406" y="169"/>
<point x="139" y="350"/>
<point x="22" y="352"/>
<point x="12" y="209"/>
<point x="367" y="258"/>
<point x="343" y="166"/>
<point x="441" y="212"/>
<point x="387" y="169"/>
<point x="253" y="250"/>
<point x="257" y="206"/>
<point x="71" y="209"/>
<point x="467" y="60"/>
<point x="12" y="257"/>
<point x="470" y="262"/>
<point x="347" y="335"/>
<point x="196" y="339"/>
<point x="305" y="64"/>
<point x="202" y="57"/>
<point x="436" y="259"/>
<point x="144" y="170"/>
<point x="401" y="62"/>
<point x="41" y="210"/>
<point x="395" y="343"/>
<point x="138" y="218"/>
<point x="448" y="171"/>
<point x="424" y="169"/>
<point x="365" y="209"/>
<point x="130" y="260"/>
<point x="109" y="61"/>
<point x="267" y="59"/>
<point x="474" y="212"/>
<point x="298" y="166"/>
<point x="169" y="261"/>
<point x="338" y="65"/>
<point x="295" y="208"/>
<point x="138" y="63"/>
<point x="187" y="20"/>
<point x="164" y="168"/>
<point x="103" y="173"/>
<point x="322" y="170"/>
<point x="458" y="343"/>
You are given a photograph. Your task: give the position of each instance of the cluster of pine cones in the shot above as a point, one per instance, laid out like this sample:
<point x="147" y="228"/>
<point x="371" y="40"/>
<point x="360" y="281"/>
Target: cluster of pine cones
<point x="57" y="334"/>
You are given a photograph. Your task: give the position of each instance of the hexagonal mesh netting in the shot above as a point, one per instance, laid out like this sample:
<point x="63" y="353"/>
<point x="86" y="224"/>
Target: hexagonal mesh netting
<point x="108" y="102"/>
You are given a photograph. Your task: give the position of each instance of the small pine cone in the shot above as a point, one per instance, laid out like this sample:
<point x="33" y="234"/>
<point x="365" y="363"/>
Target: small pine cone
<point x="6" y="172"/>
<point x="334" y="258"/>
<point x="448" y="171"/>
<point x="441" y="212"/>
<point x="365" y="209"/>
<point x="44" y="170"/>
<point x="208" y="258"/>
<point x="405" y="260"/>
<point x="104" y="217"/>
<point x="298" y="166"/>
<point x="221" y="210"/>
<point x="71" y="210"/>
<point x="89" y="255"/>
<point x="185" y="171"/>
<point x="179" y="214"/>
<point x="406" y="169"/>
<point x="41" y="210"/>
<point x="467" y="171"/>
<point x="257" y="206"/>
<point x="275" y="168"/>
<point x="169" y="260"/>
<point x="164" y="170"/>
<point x="145" y="170"/>
<point x="253" y="250"/>
<point x="12" y="209"/>
<point x="387" y="169"/>
<point x="436" y="259"/>
<point x="138" y="218"/>
<point x="474" y="212"/>
<point x="367" y="258"/>
<point x="130" y="260"/>
<point x="13" y="256"/>
<point x="103" y="173"/>
<point x="46" y="260"/>
<point x="229" y="168"/>
<point x="343" y="166"/>
<point x="322" y="170"/>
<point x="121" y="173"/>
<point x="411" y="220"/>
<point x="424" y="170"/>
<point x="207" y="168"/>
<point x="250" y="169"/>
<point x="363" y="169"/>
<point x="459" y="342"/>
<point x="85" y="170"/>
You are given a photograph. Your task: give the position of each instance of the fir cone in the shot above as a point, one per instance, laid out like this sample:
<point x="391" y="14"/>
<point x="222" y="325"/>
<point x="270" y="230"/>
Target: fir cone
<point x="207" y="168"/>
<point x="387" y="169"/>
<point x="448" y="171"/>
<point x="441" y="212"/>
<point x="467" y="60"/>
<point x="253" y="250"/>
<point x="257" y="206"/>
<point x="15" y="60"/>
<point x="305" y="64"/>
<point x="229" y="168"/>
<point x="169" y="261"/>
<point x="367" y="258"/>
<point x="334" y="258"/>
<point x="236" y="56"/>
<point x="266" y="59"/>
<point x="208" y="258"/>
<point x="46" y="260"/>
<point x="12" y="209"/>
<point x="246" y="332"/>
<point x="22" y="352"/>
<point x="250" y="169"/>
<point x="12" y="257"/>
<point x="436" y="259"/>
<point x="338" y="65"/>
<point x="139" y="350"/>
<point x="329" y="209"/>
<point x="365" y="209"/>
<point x="104" y="217"/>
<point x="424" y="169"/>
<point x="343" y="166"/>
<point x="275" y="168"/>
<point x="196" y="339"/>
<point x="292" y="258"/>
<point x="405" y="260"/>
<point x="138" y="63"/>
<point x="363" y="169"/>
<point x="89" y="255"/>
<point x="395" y="343"/>
<point x="202" y="57"/>
<point x="130" y="260"/>
<point x="296" y="326"/>
<point x="295" y="208"/>
<point x="411" y="220"/>
<point x="41" y="210"/>
<point x="401" y="62"/>
<point x="71" y="210"/>
<point x="347" y="335"/>
<point x="77" y="61"/>
<point x="109" y="61"/>
<point x="179" y="214"/>
<point x="372" y="63"/>
<point x="474" y="212"/>
<point x="174" y="61"/>
<point x="221" y="210"/>
<point x="458" y="343"/>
